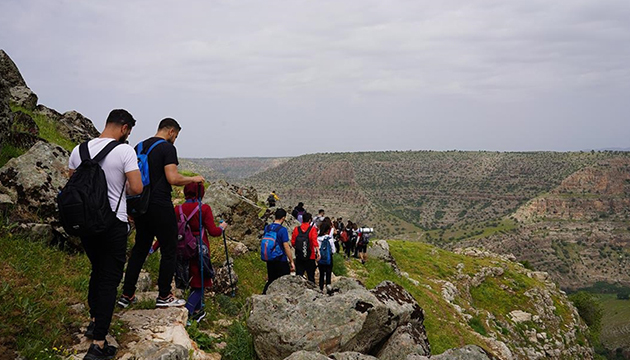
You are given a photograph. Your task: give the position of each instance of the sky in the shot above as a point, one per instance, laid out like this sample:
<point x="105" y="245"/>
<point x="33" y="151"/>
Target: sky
<point x="284" y="78"/>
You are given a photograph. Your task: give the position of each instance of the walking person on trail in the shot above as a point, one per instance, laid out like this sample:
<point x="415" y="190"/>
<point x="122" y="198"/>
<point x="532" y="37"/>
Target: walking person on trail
<point x="317" y="221"/>
<point x="281" y="262"/>
<point x="340" y="228"/>
<point x="272" y="198"/>
<point x="298" y="212"/>
<point x="364" y="239"/>
<point x="159" y="220"/>
<point x="107" y="249"/>
<point x="351" y="243"/>
<point x="327" y="249"/>
<point x="193" y="192"/>
<point x="304" y="240"/>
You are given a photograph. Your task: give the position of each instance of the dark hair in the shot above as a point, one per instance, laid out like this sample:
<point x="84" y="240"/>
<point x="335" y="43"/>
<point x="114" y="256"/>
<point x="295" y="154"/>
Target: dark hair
<point x="321" y="211"/>
<point x="300" y="204"/>
<point x="307" y="217"/>
<point x="169" y="123"/>
<point x="121" y="117"/>
<point x="280" y="213"/>
<point x="324" y="228"/>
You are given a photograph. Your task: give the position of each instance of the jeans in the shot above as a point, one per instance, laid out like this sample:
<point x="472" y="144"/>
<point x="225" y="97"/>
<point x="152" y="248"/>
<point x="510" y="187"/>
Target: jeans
<point x="275" y="270"/>
<point x="305" y="265"/>
<point x="160" y="222"/>
<point x="107" y="256"/>
<point x="325" y="273"/>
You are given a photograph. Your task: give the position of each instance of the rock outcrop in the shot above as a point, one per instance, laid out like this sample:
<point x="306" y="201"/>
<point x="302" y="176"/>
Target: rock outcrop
<point x="468" y="352"/>
<point x="5" y="110"/>
<point x="34" y="180"/>
<point x="237" y="206"/>
<point x="347" y="318"/>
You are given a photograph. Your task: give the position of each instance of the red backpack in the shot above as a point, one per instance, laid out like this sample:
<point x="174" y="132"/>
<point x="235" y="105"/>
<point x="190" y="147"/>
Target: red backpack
<point x="186" y="240"/>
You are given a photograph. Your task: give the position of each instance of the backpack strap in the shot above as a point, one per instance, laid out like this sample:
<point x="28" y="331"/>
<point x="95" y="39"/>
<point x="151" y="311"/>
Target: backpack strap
<point x="195" y="210"/>
<point x="151" y="147"/>
<point x="106" y="150"/>
<point x="84" y="152"/>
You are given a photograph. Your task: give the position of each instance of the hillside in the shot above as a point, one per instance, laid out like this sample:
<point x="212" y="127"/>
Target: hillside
<point x="232" y="169"/>
<point x="425" y="189"/>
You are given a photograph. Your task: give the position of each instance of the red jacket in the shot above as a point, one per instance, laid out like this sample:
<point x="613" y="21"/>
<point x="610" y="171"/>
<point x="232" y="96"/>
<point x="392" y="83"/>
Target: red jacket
<point x="312" y="237"/>
<point x="209" y="226"/>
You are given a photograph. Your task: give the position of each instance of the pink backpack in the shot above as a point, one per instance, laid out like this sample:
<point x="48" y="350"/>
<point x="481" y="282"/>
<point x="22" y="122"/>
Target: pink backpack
<point x="186" y="241"/>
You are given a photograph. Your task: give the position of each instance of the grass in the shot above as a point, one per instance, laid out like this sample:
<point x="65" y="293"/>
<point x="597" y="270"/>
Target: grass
<point x="615" y="319"/>
<point x="48" y="129"/>
<point x="8" y="152"/>
<point x="38" y="286"/>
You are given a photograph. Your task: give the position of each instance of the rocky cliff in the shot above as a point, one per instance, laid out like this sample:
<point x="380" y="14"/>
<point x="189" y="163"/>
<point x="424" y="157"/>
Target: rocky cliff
<point x="579" y="232"/>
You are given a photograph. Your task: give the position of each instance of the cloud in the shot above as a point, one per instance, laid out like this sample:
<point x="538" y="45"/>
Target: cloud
<point x="342" y="55"/>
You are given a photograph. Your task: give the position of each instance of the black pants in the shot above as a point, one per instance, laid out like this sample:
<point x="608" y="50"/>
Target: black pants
<point x="325" y="272"/>
<point x="349" y="248"/>
<point x="307" y="266"/>
<point x="275" y="270"/>
<point x="107" y="256"/>
<point x="160" y="222"/>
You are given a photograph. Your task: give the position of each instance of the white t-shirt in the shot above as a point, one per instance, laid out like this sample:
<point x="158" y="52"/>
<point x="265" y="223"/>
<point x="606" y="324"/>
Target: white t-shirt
<point x="330" y="240"/>
<point x="121" y="160"/>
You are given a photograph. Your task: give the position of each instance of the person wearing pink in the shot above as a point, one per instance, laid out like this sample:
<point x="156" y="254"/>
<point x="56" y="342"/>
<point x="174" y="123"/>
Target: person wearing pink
<point x="192" y="201"/>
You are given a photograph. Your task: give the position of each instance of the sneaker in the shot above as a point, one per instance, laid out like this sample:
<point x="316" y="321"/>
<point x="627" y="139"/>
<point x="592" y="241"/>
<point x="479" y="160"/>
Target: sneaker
<point x="90" y="330"/>
<point x="169" y="301"/>
<point x="198" y="316"/>
<point x="125" y="301"/>
<point x="96" y="353"/>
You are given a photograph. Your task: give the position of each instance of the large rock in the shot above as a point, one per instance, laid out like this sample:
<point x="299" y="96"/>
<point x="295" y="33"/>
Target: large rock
<point x="24" y="97"/>
<point x="236" y="206"/>
<point x="6" y="118"/>
<point x="9" y="71"/>
<point x="295" y="315"/>
<point x="468" y="352"/>
<point x="35" y="179"/>
<point x="76" y="127"/>
<point x="24" y="132"/>
<point x="225" y="282"/>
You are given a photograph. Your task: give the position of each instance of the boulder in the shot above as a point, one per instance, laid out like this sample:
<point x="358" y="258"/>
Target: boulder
<point x="6" y="117"/>
<point x="235" y="206"/>
<point x="24" y="97"/>
<point x="380" y="250"/>
<point x="9" y="71"/>
<point x="351" y="355"/>
<point x="37" y="232"/>
<point x="24" y="132"/>
<point x="306" y="355"/>
<point x="347" y="318"/>
<point x="76" y="127"/>
<point x="35" y="179"/>
<point x="406" y="340"/>
<point x="519" y="316"/>
<point x="221" y="282"/>
<point x="468" y="352"/>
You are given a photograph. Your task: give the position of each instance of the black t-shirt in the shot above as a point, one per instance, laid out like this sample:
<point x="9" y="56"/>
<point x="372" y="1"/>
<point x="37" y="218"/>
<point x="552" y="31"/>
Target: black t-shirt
<point x="163" y="154"/>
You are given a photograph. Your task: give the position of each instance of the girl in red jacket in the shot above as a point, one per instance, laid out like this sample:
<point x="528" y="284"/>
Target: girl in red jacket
<point x="192" y="201"/>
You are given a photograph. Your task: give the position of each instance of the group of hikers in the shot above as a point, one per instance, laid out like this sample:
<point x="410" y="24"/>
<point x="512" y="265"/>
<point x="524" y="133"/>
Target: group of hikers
<point x="314" y="241"/>
<point x="91" y="206"/>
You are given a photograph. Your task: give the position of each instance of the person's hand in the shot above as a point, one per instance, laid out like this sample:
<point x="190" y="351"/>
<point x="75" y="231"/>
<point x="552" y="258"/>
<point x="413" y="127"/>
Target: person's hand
<point x="292" y="265"/>
<point x="318" y="257"/>
<point x="198" y="179"/>
<point x="223" y="225"/>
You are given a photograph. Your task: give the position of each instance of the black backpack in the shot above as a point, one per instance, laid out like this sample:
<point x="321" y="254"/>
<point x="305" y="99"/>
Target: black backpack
<point x="302" y="244"/>
<point x="83" y="203"/>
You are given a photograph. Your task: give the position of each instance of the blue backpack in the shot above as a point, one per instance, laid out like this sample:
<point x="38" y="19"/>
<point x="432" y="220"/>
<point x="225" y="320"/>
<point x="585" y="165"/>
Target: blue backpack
<point x="138" y="204"/>
<point x="325" y="251"/>
<point x="270" y="250"/>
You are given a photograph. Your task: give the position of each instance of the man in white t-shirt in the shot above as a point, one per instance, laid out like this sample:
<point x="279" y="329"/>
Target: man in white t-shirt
<point x="107" y="251"/>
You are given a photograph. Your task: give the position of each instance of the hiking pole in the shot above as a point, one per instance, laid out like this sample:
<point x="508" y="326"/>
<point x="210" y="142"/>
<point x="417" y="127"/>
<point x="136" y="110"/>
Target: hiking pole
<point x="227" y="259"/>
<point x="200" y="245"/>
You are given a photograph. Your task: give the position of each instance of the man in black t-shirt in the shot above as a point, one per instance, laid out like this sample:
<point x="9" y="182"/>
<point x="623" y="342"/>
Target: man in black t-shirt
<point x="159" y="220"/>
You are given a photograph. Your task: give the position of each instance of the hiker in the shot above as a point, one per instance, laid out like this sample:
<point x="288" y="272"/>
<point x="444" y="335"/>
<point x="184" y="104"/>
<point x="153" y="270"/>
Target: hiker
<point x="298" y="212"/>
<point x="283" y="264"/>
<point x="272" y="199"/>
<point x="106" y="251"/>
<point x="355" y="240"/>
<point x="159" y="220"/>
<point x="304" y="240"/>
<point x="340" y="228"/>
<point x="317" y="221"/>
<point x="193" y="192"/>
<point x="326" y="249"/>
<point x="364" y="239"/>
<point x="351" y="239"/>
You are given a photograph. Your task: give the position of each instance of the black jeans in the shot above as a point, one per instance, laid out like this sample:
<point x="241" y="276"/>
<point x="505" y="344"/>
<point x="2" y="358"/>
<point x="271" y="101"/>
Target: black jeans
<point x="160" y="222"/>
<point x="107" y="256"/>
<point x="307" y="266"/>
<point x="325" y="273"/>
<point x="275" y="270"/>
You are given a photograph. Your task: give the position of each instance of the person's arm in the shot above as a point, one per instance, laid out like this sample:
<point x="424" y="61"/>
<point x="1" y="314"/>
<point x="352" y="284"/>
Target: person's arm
<point x="134" y="182"/>
<point x="294" y="235"/>
<point x="314" y="243"/>
<point x="175" y="178"/>
<point x="208" y="222"/>
<point x="332" y="245"/>
<point x="287" y="250"/>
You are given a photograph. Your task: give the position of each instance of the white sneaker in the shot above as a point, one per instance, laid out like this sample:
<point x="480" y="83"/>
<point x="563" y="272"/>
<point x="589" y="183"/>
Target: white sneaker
<point x="169" y="301"/>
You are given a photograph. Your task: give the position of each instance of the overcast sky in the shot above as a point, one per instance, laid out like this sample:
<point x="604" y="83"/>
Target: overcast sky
<point x="284" y="78"/>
